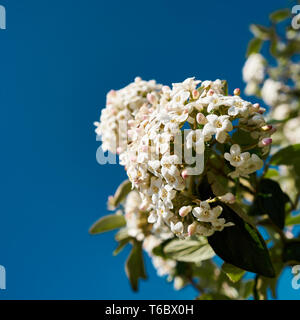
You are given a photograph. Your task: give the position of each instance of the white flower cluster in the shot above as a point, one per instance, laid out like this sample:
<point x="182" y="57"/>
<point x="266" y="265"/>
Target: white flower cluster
<point x="121" y="107"/>
<point x="158" y="139"/>
<point x="279" y="88"/>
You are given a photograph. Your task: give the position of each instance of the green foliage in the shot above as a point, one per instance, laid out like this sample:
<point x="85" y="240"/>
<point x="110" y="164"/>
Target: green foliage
<point x="121" y="193"/>
<point x="291" y="251"/>
<point x="135" y="265"/>
<point x="232" y="272"/>
<point x="280" y="15"/>
<point x="243" y="138"/>
<point x="260" y="32"/>
<point x="188" y="250"/>
<point x="270" y="200"/>
<point x="242" y="245"/>
<point x="287" y="156"/>
<point x="292" y="220"/>
<point x="254" y="46"/>
<point x="108" y="223"/>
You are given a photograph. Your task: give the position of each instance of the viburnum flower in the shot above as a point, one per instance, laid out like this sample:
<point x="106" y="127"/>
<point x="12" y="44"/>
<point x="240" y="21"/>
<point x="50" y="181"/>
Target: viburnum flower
<point x="236" y="157"/>
<point x="164" y="163"/>
<point x="217" y="125"/>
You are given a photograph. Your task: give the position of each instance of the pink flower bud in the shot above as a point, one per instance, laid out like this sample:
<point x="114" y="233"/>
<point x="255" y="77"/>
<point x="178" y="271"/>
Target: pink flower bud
<point x="119" y="150"/>
<point x="184" y="174"/>
<point x="191" y="229"/>
<point x="265" y="142"/>
<point x="266" y="127"/>
<point x="201" y="119"/>
<point x="237" y="91"/>
<point x="195" y="94"/>
<point x="210" y="92"/>
<point x="261" y="110"/>
<point x="151" y="98"/>
<point x="256" y="106"/>
<point x="184" y="211"/>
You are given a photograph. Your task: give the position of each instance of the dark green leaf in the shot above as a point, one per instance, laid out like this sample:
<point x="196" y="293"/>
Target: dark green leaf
<point x="291" y="251"/>
<point x="254" y="46"/>
<point x="243" y="138"/>
<point x="287" y="156"/>
<point x="234" y="273"/>
<point x="241" y="245"/>
<point x="280" y="15"/>
<point x="188" y="250"/>
<point x="134" y="267"/>
<point x="108" y="223"/>
<point x="271" y="200"/>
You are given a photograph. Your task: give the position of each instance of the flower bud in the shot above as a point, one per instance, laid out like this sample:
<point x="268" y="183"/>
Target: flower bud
<point x="261" y="110"/>
<point x="195" y="94"/>
<point x="266" y="127"/>
<point x="184" y="211"/>
<point x="151" y="98"/>
<point x="192" y="228"/>
<point x="201" y="119"/>
<point x="237" y="91"/>
<point x="265" y="142"/>
<point x="184" y="174"/>
<point x="228" y="198"/>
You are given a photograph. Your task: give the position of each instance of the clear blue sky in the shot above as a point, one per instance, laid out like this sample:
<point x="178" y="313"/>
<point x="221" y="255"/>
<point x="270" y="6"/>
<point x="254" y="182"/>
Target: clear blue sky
<point x="58" y="59"/>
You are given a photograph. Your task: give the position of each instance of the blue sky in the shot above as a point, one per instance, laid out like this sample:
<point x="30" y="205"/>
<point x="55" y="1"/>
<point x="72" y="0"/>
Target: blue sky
<point x="58" y="60"/>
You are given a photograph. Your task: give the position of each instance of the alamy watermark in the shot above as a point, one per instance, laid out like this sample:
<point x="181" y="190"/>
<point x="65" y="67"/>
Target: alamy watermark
<point x="2" y="278"/>
<point x="2" y="17"/>
<point x="296" y="19"/>
<point x="296" y="278"/>
<point x="193" y="157"/>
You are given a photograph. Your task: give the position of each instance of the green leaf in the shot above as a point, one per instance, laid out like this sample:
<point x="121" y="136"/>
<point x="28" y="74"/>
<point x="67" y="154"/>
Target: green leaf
<point x="232" y="272"/>
<point x="241" y="245"/>
<point x="260" y="32"/>
<point x="121" y="193"/>
<point x="254" y="46"/>
<point x="292" y="220"/>
<point x="108" y="223"/>
<point x="243" y="138"/>
<point x="287" y="156"/>
<point x="271" y="200"/>
<point x="271" y="173"/>
<point x="188" y="250"/>
<point x="121" y="245"/>
<point x="280" y="15"/>
<point x="291" y="251"/>
<point x="134" y="267"/>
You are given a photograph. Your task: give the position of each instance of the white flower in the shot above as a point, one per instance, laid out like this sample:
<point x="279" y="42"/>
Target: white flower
<point x="219" y="224"/>
<point x="167" y="194"/>
<point x="292" y="130"/>
<point x="218" y="126"/>
<point x="235" y="157"/>
<point x="272" y="92"/>
<point x="177" y="228"/>
<point x="238" y="106"/>
<point x="205" y="214"/>
<point x="204" y="230"/>
<point x="249" y="166"/>
<point x="254" y="68"/>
